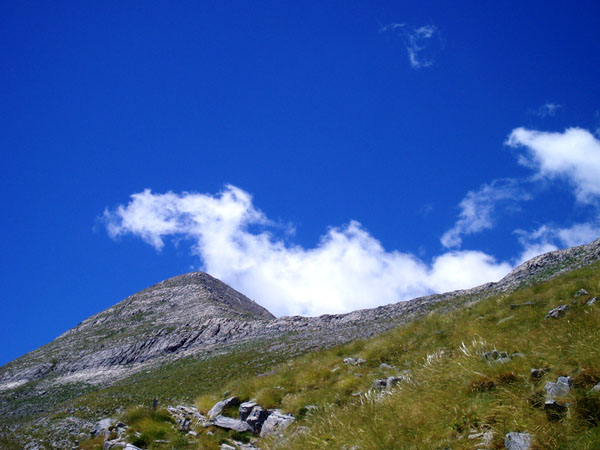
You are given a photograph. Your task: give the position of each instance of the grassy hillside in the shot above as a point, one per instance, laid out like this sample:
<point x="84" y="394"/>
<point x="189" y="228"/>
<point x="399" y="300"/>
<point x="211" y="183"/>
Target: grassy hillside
<point x="450" y="391"/>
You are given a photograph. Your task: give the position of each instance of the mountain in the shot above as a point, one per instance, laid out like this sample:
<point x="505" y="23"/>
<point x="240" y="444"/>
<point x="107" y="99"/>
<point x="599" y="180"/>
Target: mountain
<point x="195" y="319"/>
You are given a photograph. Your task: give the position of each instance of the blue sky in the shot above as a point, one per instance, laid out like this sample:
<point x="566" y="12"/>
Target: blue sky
<point x="320" y="156"/>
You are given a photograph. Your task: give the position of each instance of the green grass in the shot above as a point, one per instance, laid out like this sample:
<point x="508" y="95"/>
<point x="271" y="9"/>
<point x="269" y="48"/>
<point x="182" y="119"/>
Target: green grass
<point x="451" y="390"/>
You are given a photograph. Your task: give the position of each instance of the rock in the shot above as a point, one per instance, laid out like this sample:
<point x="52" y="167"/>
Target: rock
<point x="115" y="444"/>
<point x="486" y="437"/>
<point x="184" y="425"/>
<point x="227" y="447"/>
<point x="496" y="356"/>
<point x="561" y="388"/>
<point x="555" y="410"/>
<point x="380" y="383"/>
<point x="591" y="301"/>
<point x="276" y="423"/>
<point x="193" y="433"/>
<point x="557" y="312"/>
<point x="384" y="366"/>
<point x="392" y="381"/>
<point x="581" y="292"/>
<point x="245" y="409"/>
<point x="517" y="441"/>
<point x="354" y="361"/>
<point x="231" y="424"/>
<point x="101" y="428"/>
<point x="596" y="388"/>
<point x="257" y="418"/>
<point x="220" y="406"/>
<point x="132" y="447"/>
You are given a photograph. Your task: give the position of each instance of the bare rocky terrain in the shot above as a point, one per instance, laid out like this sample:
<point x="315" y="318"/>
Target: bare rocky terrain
<point x="197" y="315"/>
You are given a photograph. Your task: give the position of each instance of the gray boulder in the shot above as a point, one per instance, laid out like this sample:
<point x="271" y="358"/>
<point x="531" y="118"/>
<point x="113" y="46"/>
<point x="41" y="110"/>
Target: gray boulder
<point x="276" y="423"/>
<point x="102" y="428"/>
<point x="257" y="418"/>
<point x="581" y="292"/>
<point x="596" y="388"/>
<point x="231" y="424"/>
<point x="220" y="406"/>
<point x="591" y="301"/>
<point x="561" y="388"/>
<point x="517" y="441"/>
<point x="245" y="409"/>
<point x="554" y="409"/>
<point x="557" y="312"/>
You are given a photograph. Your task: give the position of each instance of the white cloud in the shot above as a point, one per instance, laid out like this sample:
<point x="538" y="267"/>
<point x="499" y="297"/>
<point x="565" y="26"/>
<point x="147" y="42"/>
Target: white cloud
<point x="348" y="269"/>
<point x="477" y="209"/>
<point x="548" y="238"/>
<point x="422" y="43"/>
<point x="548" y="109"/>
<point x="573" y="155"/>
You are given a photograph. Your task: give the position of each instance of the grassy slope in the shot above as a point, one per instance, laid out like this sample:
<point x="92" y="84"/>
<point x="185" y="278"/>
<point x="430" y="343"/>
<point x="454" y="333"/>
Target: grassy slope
<point x="454" y="392"/>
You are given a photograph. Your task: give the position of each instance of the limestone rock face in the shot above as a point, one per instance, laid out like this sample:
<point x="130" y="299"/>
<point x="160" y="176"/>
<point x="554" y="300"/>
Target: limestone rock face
<point x="518" y="441"/>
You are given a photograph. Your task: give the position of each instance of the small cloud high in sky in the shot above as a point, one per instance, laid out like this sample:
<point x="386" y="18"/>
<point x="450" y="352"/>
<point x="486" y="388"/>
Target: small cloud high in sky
<point x="422" y="43"/>
<point x="319" y="157"/>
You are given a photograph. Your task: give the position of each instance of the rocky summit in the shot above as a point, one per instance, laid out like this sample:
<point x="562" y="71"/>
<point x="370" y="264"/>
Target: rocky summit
<point x="196" y="315"/>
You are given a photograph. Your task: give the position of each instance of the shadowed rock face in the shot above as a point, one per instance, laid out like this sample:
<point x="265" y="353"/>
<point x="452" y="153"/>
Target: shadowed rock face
<point x="196" y="313"/>
<point x="163" y="320"/>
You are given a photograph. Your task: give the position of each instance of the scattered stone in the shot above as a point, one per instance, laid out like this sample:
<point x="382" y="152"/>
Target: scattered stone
<point x="380" y="383"/>
<point x="384" y="366"/>
<point x="220" y="406"/>
<point x="193" y="433"/>
<point x="227" y="447"/>
<point x="245" y="409"/>
<point x="591" y="301"/>
<point x="555" y="410"/>
<point x="257" y="418"/>
<point x="231" y="424"/>
<point x="596" y="388"/>
<point x="581" y="292"/>
<point x="184" y="425"/>
<point x="517" y="441"/>
<point x="101" y="428"/>
<point x="485" y="437"/>
<point x="392" y="381"/>
<point x="561" y="388"/>
<point x="354" y="361"/>
<point x="276" y="423"/>
<point x="496" y="356"/>
<point x="557" y="312"/>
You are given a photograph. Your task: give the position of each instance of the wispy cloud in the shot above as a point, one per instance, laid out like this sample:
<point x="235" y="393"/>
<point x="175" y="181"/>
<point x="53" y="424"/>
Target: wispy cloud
<point x="548" y="109"/>
<point x="573" y="155"/>
<point x="422" y="43"/>
<point x="478" y="209"/>
<point x="548" y="238"/>
<point x="347" y="270"/>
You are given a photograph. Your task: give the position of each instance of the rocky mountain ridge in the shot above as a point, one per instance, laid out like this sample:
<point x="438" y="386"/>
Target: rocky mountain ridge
<point x="196" y="314"/>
